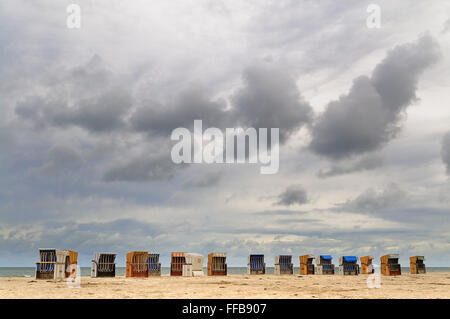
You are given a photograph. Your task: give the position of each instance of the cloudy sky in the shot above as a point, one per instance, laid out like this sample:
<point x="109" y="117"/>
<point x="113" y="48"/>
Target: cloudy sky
<point x="86" y="118"/>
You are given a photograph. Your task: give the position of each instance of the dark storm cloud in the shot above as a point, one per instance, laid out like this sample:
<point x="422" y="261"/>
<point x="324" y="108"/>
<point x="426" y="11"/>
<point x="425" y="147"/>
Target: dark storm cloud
<point x="34" y="109"/>
<point x="90" y="78"/>
<point x="88" y="96"/>
<point x="294" y="194"/>
<point x="270" y="98"/>
<point x="100" y="114"/>
<point x="370" y="114"/>
<point x="446" y="151"/>
<point x="362" y="164"/>
<point x="191" y="105"/>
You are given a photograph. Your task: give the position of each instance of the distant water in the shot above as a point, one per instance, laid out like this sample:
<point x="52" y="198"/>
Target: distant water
<point x="120" y="271"/>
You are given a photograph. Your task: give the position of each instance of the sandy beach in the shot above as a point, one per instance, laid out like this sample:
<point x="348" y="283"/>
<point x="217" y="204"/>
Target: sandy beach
<point x="431" y="285"/>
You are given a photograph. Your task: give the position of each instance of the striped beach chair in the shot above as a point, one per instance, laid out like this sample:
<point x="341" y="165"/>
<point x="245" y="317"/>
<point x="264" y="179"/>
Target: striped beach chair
<point x="306" y="265"/>
<point x="256" y="265"/>
<point x="154" y="266"/>
<point x="348" y="265"/>
<point x="283" y="265"/>
<point x="217" y="264"/>
<point x="177" y="261"/>
<point x="56" y="263"/>
<point x="366" y="265"/>
<point x="325" y="265"/>
<point x="390" y="265"/>
<point x="416" y="265"/>
<point x="103" y="265"/>
<point x="137" y="264"/>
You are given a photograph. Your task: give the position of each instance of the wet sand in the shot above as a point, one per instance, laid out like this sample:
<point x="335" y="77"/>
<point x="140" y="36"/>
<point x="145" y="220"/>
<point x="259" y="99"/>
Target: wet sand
<point x="431" y="285"/>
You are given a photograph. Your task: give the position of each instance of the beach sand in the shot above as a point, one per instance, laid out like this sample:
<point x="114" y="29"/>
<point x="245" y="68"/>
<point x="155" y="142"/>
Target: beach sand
<point x="431" y="285"/>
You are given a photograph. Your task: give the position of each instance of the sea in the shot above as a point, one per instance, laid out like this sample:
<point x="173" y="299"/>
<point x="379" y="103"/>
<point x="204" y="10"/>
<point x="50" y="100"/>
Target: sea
<point x="120" y="271"/>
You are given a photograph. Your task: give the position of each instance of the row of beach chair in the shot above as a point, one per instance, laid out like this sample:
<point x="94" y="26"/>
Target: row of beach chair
<point x="58" y="264"/>
<point x="348" y="265"/>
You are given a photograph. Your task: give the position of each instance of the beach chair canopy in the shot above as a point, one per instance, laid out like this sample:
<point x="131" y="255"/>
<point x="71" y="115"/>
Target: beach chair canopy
<point x="196" y="260"/>
<point x="104" y="257"/>
<point x="417" y="259"/>
<point x="139" y="260"/>
<point x="285" y="259"/>
<point x="73" y="256"/>
<point x="326" y="257"/>
<point x="367" y="258"/>
<point x="256" y="258"/>
<point x="177" y="261"/>
<point x="47" y="255"/>
<point x="350" y="259"/>
<point x="391" y="259"/>
<point x="284" y="262"/>
<point x="190" y="257"/>
<point x="153" y="258"/>
<point x="217" y="261"/>
<point x="306" y="259"/>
